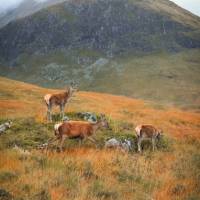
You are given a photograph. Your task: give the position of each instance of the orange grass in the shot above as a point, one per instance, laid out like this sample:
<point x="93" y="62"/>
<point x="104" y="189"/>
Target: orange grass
<point x="173" y="121"/>
<point x="22" y="100"/>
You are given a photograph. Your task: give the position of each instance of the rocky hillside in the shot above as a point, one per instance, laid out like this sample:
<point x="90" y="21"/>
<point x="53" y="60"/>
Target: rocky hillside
<point x="111" y="27"/>
<point x="102" y="42"/>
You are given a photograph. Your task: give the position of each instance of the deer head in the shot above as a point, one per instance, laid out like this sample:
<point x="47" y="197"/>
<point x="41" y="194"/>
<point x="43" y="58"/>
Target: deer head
<point x="73" y="87"/>
<point x="103" y="121"/>
<point x="160" y="134"/>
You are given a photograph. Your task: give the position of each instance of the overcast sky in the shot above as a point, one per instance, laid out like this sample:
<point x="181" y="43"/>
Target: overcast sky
<point x="9" y="4"/>
<point x="191" y="5"/>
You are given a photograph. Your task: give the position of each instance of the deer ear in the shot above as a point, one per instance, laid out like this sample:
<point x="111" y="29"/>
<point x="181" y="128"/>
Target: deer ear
<point x="102" y="116"/>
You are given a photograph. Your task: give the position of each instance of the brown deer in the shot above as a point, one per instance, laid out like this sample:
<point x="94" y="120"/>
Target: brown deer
<point x="78" y="129"/>
<point x="147" y="132"/>
<point x="59" y="99"/>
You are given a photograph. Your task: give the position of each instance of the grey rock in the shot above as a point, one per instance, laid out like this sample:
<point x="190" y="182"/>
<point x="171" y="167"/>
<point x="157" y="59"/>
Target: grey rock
<point x="112" y="143"/>
<point x="5" y="126"/>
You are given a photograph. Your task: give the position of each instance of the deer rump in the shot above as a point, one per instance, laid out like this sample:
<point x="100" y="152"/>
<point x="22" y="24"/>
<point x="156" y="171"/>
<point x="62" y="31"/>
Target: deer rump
<point x="55" y="99"/>
<point x="146" y="131"/>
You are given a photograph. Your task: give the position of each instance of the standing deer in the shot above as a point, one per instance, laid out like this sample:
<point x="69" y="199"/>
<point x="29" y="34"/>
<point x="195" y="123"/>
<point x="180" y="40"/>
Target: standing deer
<point x="147" y="132"/>
<point x="78" y="129"/>
<point x="59" y="99"/>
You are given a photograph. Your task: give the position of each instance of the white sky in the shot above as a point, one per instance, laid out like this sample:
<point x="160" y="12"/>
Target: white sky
<point x="9" y="4"/>
<point x="191" y="5"/>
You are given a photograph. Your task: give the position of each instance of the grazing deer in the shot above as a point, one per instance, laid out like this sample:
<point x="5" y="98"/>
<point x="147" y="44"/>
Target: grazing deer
<point x="59" y="99"/>
<point x="147" y="132"/>
<point x="78" y="129"/>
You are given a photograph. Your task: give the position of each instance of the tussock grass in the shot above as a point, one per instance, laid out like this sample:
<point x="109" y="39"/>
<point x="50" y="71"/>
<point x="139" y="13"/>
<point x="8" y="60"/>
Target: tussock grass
<point x="82" y="172"/>
<point x="7" y="176"/>
<point x="87" y="172"/>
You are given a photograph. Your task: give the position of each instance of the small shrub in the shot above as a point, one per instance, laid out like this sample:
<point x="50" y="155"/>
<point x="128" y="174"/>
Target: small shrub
<point x="193" y="197"/>
<point x="57" y="181"/>
<point x="124" y="176"/>
<point x="26" y="133"/>
<point x="42" y="195"/>
<point x="72" y="116"/>
<point x="72" y="181"/>
<point x="178" y="189"/>
<point x="100" y="191"/>
<point x="5" y="195"/>
<point x="26" y="188"/>
<point x="41" y="161"/>
<point x="165" y="144"/>
<point x="87" y="169"/>
<point x="7" y="176"/>
<point x="70" y="167"/>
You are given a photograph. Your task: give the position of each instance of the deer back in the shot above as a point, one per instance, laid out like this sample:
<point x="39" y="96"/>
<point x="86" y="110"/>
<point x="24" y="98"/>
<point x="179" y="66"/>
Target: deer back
<point x="75" y="129"/>
<point x="146" y="131"/>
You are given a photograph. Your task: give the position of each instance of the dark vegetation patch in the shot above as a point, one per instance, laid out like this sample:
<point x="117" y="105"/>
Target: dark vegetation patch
<point x="5" y="195"/>
<point x="7" y="176"/>
<point x="28" y="133"/>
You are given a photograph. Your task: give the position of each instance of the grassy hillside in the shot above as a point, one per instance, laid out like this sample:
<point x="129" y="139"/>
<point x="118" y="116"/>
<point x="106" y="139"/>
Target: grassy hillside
<point x="167" y="78"/>
<point x="87" y="172"/>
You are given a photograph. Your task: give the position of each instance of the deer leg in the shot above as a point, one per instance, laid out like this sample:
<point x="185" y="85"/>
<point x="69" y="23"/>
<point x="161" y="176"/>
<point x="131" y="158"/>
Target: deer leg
<point x="51" y="141"/>
<point x="81" y="141"/>
<point x="49" y="117"/>
<point x="139" y="144"/>
<point x="61" y="143"/>
<point x="48" y="112"/>
<point x="62" y="107"/>
<point x="153" y="143"/>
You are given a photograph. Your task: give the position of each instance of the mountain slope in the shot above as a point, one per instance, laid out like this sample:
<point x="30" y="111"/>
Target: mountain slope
<point x="111" y="27"/>
<point x="100" y="42"/>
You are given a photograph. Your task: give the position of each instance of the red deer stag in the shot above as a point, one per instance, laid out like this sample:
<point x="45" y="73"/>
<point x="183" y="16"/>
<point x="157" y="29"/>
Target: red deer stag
<point x="59" y="99"/>
<point x="78" y="129"/>
<point x="147" y="132"/>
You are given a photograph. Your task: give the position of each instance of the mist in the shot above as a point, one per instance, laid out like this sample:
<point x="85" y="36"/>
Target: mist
<point x="11" y="4"/>
<point x="191" y="5"/>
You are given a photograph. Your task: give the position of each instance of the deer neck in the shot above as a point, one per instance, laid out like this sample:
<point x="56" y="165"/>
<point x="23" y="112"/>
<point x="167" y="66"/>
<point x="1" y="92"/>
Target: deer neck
<point x="69" y="92"/>
<point x="96" y="126"/>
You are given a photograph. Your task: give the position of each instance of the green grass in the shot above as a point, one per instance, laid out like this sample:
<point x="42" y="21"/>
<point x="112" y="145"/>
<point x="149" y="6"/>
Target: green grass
<point x="28" y="133"/>
<point x="7" y="176"/>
